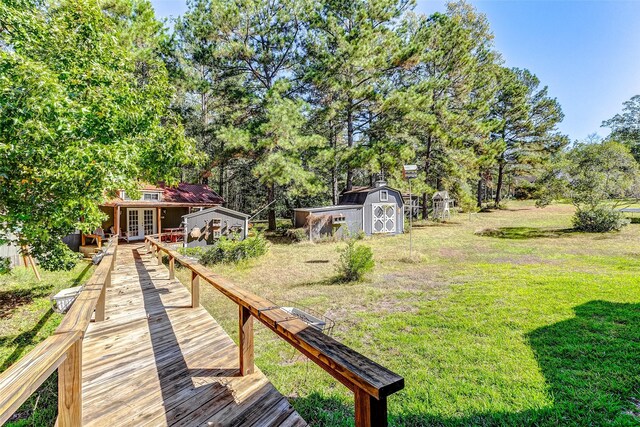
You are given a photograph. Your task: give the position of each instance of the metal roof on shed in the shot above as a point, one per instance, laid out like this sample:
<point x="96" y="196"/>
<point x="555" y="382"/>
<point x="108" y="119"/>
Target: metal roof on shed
<point x="328" y="208"/>
<point x="216" y="209"/>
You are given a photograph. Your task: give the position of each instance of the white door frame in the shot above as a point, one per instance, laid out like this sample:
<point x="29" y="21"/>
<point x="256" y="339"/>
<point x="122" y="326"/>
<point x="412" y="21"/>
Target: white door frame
<point x="384" y="217"/>
<point x="136" y="222"/>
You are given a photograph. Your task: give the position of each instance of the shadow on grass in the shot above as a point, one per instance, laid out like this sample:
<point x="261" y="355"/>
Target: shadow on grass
<point x="521" y="233"/>
<point x="24" y="340"/>
<point x="80" y="278"/>
<point x="435" y="224"/>
<point x="591" y="364"/>
<point x="15" y="298"/>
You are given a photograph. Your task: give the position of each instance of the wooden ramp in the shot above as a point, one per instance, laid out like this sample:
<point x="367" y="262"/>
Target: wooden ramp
<point x="156" y="361"/>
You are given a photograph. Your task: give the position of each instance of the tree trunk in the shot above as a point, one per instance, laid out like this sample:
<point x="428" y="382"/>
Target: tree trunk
<point x="334" y="170"/>
<point x="427" y="167"/>
<point x="479" y="196"/>
<point x="425" y="199"/>
<point x="221" y="180"/>
<point x="349" y="144"/>
<point x="271" y="212"/>
<point x="499" y="184"/>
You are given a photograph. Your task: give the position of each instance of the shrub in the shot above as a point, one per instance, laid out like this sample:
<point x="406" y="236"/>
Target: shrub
<point x="195" y="252"/>
<point x="599" y="220"/>
<point x="227" y="250"/>
<point x="5" y="265"/>
<point x="355" y="261"/>
<point x="297" y="235"/>
<point x="55" y="256"/>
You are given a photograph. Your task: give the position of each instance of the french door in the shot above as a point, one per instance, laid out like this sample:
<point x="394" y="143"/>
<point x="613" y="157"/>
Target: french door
<point x="140" y="222"/>
<point x="383" y="217"/>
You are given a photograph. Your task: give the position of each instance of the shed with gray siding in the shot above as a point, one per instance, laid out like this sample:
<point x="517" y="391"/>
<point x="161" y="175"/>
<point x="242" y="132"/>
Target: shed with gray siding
<point x="373" y="210"/>
<point x="206" y="226"/>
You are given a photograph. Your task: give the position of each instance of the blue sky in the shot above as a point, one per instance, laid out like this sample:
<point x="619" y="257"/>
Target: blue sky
<point x="587" y="52"/>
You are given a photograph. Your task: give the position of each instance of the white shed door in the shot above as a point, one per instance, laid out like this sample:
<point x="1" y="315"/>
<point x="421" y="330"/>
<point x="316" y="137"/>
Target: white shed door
<point x="384" y="217"/>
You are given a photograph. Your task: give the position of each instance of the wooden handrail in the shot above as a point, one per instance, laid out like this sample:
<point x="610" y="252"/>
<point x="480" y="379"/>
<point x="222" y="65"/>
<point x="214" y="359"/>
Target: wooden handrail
<point x="61" y="351"/>
<point x="370" y="382"/>
<point x="24" y="377"/>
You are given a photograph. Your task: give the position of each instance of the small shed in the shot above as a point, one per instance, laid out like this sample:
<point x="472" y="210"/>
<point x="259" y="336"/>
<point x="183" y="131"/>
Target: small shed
<point x="206" y="226"/>
<point x="442" y="205"/>
<point x="373" y="210"/>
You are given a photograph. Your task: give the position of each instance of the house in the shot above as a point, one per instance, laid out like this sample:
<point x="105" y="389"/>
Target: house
<point x="204" y="227"/>
<point x="159" y="207"/>
<point x="372" y="210"/>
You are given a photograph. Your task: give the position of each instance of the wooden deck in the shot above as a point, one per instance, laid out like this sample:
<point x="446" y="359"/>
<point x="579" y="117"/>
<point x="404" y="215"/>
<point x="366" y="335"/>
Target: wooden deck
<point x="156" y="361"/>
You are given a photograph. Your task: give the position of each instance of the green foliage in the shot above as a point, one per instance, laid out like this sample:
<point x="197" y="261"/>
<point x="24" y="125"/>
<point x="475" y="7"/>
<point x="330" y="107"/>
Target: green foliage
<point x="5" y="265"/>
<point x="599" y="219"/>
<point x="591" y="175"/>
<point x="195" y="252"/>
<point x="226" y="250"/>
<point x="54" y="255"/>
<point x="297" y="235"/>
<point x="526" y="121"/>
<point x="524" y="190"/>
<point x="625" y="127"/>
<point x="84" y="108"/>
<point x="355" y="261"/>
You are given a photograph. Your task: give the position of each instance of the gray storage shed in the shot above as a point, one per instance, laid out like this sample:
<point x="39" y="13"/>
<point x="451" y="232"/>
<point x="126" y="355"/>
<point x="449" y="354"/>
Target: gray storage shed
<point x="374" y="210"/>
<point x="204" y="227"/>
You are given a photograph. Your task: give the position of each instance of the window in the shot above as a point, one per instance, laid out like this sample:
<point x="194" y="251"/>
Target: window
<point x="384" y="195"/>
<point x="150" y="196"/>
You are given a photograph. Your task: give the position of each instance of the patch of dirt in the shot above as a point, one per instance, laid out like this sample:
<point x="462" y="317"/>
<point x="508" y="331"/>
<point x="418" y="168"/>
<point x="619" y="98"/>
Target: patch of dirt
<point x="452" y="253"/>
<point x="12" y="300"/>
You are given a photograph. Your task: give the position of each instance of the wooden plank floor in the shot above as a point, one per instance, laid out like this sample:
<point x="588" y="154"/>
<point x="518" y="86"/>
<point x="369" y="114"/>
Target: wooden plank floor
<point x="155" y="361"/>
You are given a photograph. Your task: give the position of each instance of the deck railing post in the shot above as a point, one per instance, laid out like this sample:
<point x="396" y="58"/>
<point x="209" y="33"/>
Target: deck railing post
<point x="100" y="306"/>
<point x="195" y="289"/>
<point x="245" y="343"/>
<point x="70" y="388"/>
<point x="147" y="245"/>
<point x="172" y="267"/>
<point x="159" y="255"/>
<point x="370" y="412"/>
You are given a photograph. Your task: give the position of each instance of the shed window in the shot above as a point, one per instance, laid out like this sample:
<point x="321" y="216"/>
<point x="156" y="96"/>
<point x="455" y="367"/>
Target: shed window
<point x="384" y="195"/>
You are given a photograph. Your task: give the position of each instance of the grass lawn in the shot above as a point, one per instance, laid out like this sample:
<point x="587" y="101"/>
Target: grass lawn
<point x="26" y="318"/>
<point x="509" y="318"/>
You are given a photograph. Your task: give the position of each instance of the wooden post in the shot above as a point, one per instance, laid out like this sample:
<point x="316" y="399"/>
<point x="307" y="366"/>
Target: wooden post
<point x="100" y="306"/>
<point x="159" y="255"/>
<point x="245" y="343"/>
<point x="116" y="222"/>
<point x="158" y="213"/>
<point x="195" y="290"/>
<point x="370" y="412"/>
<point x="34" y="268"/>
<point x="107" y="283"/>
<point x="147" y="245"/>
<point x="172" y="266"/>
<point x="70" y="388"/>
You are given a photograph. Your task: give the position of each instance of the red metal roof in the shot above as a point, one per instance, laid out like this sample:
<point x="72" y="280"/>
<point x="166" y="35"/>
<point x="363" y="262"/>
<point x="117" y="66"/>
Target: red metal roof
<point x="191" y="193"/>
<point x="183" y="193"/>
